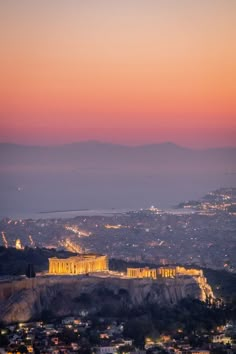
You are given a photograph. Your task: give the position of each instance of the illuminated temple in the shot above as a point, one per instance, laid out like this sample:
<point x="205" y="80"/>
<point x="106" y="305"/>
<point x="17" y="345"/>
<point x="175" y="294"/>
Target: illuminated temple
<point x="81" y="264"/>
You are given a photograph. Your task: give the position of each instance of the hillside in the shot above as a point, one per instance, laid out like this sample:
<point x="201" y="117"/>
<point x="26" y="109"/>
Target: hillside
<point x="25" y="299"/>
<point x="222" y="282"/>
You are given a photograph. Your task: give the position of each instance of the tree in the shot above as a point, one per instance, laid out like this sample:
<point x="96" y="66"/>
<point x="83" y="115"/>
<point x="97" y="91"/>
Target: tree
<point x="22" y="349"/>
<point x="68" y="336"/>
<point x="30" y="273"/>
<point x="126" y="349"/>
<point x="138" y="329"/>
<point x="3" y="340"/>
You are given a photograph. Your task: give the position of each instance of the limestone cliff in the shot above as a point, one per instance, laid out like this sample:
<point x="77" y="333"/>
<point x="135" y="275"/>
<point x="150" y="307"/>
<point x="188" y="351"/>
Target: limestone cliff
<point x="22" y="300"/>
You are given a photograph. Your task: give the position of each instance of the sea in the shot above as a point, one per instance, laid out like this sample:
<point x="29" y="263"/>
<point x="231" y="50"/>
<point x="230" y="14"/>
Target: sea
<point x="70" y="214"/>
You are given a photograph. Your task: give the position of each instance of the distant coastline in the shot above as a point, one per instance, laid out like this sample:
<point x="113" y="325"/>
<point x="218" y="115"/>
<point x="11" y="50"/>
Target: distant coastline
<point x="62" y="211"/>
<point x="63" y="214"/>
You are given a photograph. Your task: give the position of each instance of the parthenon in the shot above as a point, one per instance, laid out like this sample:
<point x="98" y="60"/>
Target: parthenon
<point x="81" y="264"/>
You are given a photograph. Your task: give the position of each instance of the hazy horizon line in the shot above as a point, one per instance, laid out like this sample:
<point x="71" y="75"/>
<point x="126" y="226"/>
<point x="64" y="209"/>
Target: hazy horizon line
<point x="128" y="145"/>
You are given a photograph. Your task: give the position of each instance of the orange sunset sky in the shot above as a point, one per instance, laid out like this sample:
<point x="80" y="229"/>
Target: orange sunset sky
<point x="122" y="71"/>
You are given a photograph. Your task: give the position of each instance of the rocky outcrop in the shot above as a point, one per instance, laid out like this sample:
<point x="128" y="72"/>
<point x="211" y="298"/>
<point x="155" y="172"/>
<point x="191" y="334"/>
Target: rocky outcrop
<point x="22" y="300"/>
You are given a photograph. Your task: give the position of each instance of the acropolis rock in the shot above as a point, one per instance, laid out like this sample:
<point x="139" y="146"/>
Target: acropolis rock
<point x="25" y="299"/>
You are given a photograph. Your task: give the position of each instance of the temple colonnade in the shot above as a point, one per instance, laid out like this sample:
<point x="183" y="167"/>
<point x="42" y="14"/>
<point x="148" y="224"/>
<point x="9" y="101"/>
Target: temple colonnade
<point x="78" y="265"/>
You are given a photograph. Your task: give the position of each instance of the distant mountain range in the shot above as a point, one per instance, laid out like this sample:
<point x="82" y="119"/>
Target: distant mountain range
<point x="97" y="154"/>
<point x="102" y="175"/>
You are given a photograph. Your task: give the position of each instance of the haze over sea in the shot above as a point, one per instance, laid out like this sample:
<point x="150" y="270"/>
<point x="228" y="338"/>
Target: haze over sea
<point x="102" y="176"/>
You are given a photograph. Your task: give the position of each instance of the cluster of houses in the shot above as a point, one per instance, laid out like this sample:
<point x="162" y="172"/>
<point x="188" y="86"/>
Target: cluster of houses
<point x="76" y="335"/>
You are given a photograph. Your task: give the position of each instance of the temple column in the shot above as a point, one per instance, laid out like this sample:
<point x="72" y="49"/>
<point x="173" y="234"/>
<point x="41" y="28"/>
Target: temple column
<point x="59" y="267"/>
<point x="80" y="267"/>
<point x="86" y="267"/>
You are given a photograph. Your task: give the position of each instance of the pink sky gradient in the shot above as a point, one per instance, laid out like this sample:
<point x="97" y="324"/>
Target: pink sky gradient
<point x="129" y="72"/>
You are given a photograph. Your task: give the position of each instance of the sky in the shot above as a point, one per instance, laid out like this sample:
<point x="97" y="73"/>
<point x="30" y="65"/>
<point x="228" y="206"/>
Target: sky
<point x="122" y="71"/>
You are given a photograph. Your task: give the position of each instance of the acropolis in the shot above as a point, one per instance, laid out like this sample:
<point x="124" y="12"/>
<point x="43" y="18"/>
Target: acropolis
<point x="162" y="272"/>
<point x="80" y="264"/>
<point x="174" y="272"/>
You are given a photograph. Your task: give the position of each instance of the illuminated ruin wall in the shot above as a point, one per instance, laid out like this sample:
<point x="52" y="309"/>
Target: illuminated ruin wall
<point x="192" y="272"/>
<point x="162" y="272"/>
<point x="142" y="273"/>
<point x="174" y="272"/>
<point x="78" y="265"/>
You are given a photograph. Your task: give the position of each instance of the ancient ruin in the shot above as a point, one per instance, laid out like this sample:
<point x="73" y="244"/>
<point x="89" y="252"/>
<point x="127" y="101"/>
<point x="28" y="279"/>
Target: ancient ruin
<point x="81" y="264"/>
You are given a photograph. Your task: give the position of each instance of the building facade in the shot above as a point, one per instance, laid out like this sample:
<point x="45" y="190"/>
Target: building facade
<point x="81" y="264"/>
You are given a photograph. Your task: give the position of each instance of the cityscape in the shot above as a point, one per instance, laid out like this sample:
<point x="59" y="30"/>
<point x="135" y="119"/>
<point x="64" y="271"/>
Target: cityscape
<point x="109" y="260"/>
<point x="118" y="177"/>
<point x="200" y="233"/>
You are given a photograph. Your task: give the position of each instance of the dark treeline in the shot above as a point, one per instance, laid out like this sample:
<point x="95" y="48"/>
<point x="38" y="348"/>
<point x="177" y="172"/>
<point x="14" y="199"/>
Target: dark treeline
<point x="15" y="262"/>
<point x="189" y="317"/>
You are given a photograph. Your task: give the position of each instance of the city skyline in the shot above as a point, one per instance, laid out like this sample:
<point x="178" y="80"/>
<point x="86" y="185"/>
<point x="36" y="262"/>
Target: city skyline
<point x="131" y="73"/>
